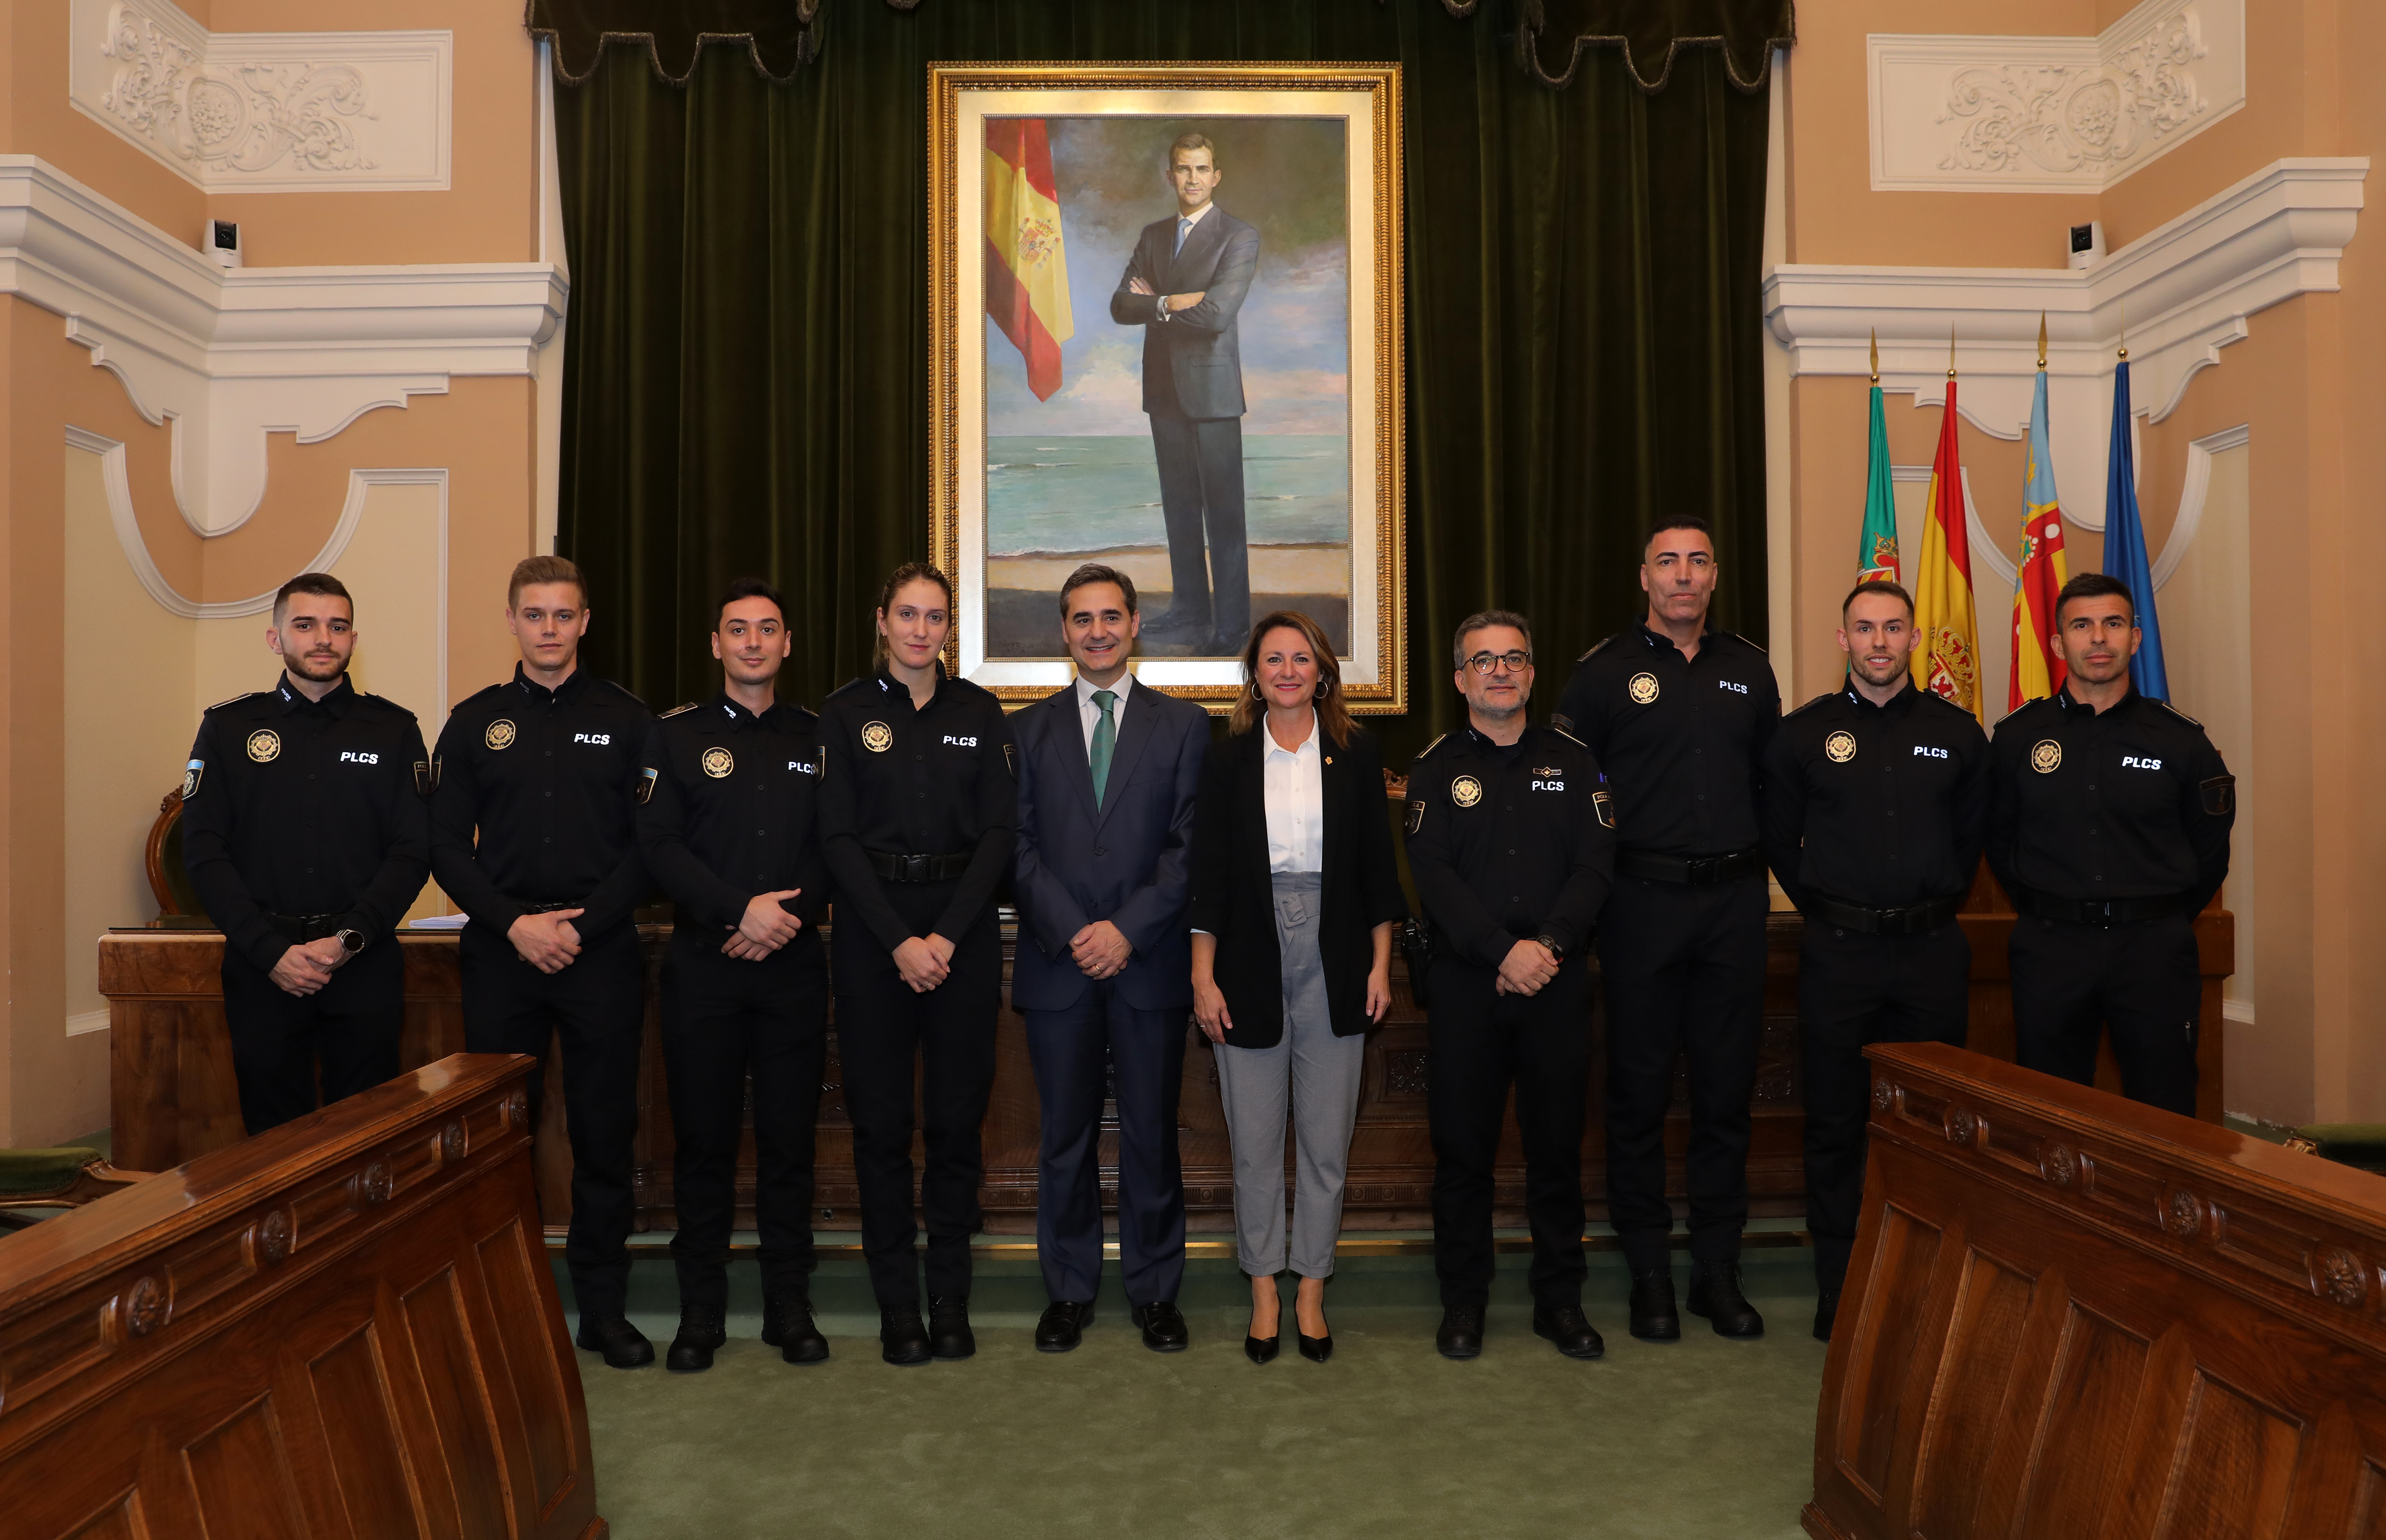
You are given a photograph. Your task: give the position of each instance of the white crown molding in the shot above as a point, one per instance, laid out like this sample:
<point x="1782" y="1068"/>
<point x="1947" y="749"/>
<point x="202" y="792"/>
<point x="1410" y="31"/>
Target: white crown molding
<point x="1955" y="114"/>
<point x="228" y="357"/>
<point x="265" y="112"/>
<point x="2186" y="289"/>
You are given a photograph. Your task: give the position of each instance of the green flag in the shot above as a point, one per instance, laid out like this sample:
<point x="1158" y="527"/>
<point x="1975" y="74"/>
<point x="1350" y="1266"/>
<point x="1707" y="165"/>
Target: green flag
<point x="1877" y="547"/>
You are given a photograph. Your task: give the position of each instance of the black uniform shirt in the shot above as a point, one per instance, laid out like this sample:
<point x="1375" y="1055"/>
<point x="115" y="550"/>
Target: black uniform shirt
<point x="545" y="777"/>
<point x="1682" y="740"/>
<point x="1512" y="843"/>
<point x="2131" y="801"/>
<point x="934" y="782"/>
<point x="294" y="807"/>
<point x="728" y="808"/>
<point x="1876" y="806"/>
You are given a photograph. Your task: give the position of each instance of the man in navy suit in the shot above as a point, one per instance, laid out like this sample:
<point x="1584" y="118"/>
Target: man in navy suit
<point x="1108" y="768"/>
<point x="1184" y="286"/>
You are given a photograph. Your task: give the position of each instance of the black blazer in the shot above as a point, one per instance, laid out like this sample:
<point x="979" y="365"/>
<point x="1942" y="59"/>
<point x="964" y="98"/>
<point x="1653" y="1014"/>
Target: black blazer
<point x="1233" y="900"/>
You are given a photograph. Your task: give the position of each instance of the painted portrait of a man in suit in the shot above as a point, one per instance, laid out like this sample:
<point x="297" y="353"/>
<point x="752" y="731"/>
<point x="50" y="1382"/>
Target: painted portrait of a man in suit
<point x="1184" y="286"/>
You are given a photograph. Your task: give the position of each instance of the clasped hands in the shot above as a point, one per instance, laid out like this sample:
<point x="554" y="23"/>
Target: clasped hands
<point x="1180" y="302"/>
<point x="307" y="966"/>
<point x="1527" y="969"/>
<point x="763" y="928"/>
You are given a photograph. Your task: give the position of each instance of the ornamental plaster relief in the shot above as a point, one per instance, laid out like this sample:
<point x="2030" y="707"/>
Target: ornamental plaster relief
<point x="2052" y="114"/>
<point x="267" y="112"/>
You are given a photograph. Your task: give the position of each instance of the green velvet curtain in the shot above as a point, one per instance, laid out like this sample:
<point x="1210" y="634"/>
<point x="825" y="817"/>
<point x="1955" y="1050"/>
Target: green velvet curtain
<point x="746" y="375"/>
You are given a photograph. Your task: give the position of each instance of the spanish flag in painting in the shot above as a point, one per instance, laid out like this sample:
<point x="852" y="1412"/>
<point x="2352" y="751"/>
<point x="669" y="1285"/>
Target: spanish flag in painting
<point x="1026" y="269"/>
<point x="2037" y="668"/>
<point x="1947" y="663"/>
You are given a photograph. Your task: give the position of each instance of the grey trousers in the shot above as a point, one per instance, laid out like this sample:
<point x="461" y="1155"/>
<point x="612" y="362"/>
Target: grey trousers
<point x="1318" y="1073"/>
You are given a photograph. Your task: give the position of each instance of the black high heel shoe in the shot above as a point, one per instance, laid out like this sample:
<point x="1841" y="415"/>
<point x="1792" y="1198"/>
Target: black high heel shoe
<point x="1315" y="1349"/>
<point x="1260" y="1351"/>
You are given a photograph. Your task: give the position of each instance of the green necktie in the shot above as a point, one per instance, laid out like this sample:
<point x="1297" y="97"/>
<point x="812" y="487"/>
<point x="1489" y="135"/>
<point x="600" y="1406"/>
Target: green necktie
<point x="1105" y="739"/>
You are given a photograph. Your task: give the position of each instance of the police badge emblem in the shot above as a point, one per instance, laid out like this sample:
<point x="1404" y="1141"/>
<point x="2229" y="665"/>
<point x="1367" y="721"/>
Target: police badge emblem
<point x="1603" y="805"/>
<point x="1840" y="747"/>
<point x="878" y="737"/>
<point x="264" y="745"/>
<point x="1466" y="790"/>
<point x="2045" y="756"/>
<point x="646" y="777"/>
<point x="1642" y="688"/>
<point x="1416" y="815"/>
<point x="718" y="763"/>
<point x="191" y="774"/>
<point x="501" y="735"/>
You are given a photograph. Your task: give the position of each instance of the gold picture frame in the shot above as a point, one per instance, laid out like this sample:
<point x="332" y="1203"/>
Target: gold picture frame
<point x="1032" y="164"/>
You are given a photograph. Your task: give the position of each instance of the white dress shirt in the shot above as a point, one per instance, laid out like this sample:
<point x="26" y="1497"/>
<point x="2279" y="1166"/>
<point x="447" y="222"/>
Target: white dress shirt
<point x="1185" y="224"/>
<point x="1090" y="712"/>
<point x="1293" y="784"/>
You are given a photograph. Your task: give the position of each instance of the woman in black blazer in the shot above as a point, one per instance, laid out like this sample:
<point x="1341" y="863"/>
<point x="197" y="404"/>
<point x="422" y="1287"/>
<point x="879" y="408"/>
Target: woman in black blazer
<point x="1295" y="894"/>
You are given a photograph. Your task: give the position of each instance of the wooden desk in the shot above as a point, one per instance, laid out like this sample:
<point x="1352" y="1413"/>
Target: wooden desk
<point x="175" y="1098"/>
<point x="2069" y="1315"/>
<point x="344" y="1327"/>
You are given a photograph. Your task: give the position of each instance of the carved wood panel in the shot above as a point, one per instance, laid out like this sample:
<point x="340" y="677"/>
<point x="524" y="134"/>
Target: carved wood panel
<point x="2071" y="1315"/>
<point x="347" y="1327"/>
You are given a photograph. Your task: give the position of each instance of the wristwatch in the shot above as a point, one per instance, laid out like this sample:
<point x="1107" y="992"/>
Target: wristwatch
<point x="1550" y="942"/>
<point x="351" y="941"/>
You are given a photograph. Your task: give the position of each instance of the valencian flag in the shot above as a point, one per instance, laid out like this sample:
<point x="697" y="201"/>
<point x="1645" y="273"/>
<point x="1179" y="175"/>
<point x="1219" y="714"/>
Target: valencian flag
<point x="2124" y="543"/>
<point x="2037" y="667"/>
<point x="1026" y="271"/>
<point x="1877" y="544"/>
<point x="1947" y="662"/>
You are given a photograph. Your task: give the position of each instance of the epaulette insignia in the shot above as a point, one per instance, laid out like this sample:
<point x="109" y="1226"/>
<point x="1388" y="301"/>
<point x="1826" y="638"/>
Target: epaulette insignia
<point x="232" y="700"/>
<point x="677" y="709"/>
<point x="2177" y="712"/>
<point x="1431" y="747"/>
<point x="2014" y="712"/>
<point x="1742" y="640"/>
<point x="1567" y="736"/>
<point x="1802" y="710"/>
<point x="1597" y="648"/>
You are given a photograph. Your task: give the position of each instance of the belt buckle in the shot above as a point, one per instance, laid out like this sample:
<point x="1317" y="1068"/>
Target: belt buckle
<point x="915" y="869"/>
<point x="1700" y="870"/>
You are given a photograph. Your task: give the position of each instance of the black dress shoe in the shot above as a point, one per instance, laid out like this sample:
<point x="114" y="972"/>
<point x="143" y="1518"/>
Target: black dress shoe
<point x="1654" y="1316"/>
<point x="624" y="1346"/>
<point x="949" y="1328"/>
<point x="1063" y="1326"/>
<point x="1715" y="1293"/>
<point x="1827" y="1312"/>
<point x="700" y="1332"/>
<point x="1264" y="1350"/>
<point x="787" y="1326"/>
<point x="901" y="1338"/>
<point x="1164" y="1326"/>
<point x="1315" y="1349"/>
<point x="1461" y="1331"/>
<point x="1571" y="1330"/>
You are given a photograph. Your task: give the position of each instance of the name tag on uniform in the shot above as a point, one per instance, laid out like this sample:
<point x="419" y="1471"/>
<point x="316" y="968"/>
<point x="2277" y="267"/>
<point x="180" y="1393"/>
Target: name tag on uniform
<point x="1540" y="784"/>
<point x="960" y="743"/>
<point x="1926" y="752"/>
<point x="355" y="757"/>
<point x="1732" y="685"/>
<point x="799" y="766"/>
<point x="2131" y="761"/>
<point x="592" y="737"/>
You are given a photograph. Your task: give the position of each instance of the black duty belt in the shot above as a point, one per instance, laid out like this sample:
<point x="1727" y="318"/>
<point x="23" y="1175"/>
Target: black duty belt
<point x="2103" y="911"/>
<point x="1699" y="872"/>
<point x="550" y="909"/>
<point x="304" y="928"/>
<point x="1910" y="921"/>
<point x="919" y="868"/>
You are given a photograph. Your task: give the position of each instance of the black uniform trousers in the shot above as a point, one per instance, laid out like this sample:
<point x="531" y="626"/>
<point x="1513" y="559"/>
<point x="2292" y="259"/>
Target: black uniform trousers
<point x="1854" y="990"/>
<point x="2139" y="978"/>
<point x="351" y="1024"/>
<point x="1684" y="973"/>
<point x="1478" y="1044"/>
<point x="1074" y="1052"/>
<point x="724" y="1020"/>
<point x="1200" y="463"/>
<point x="597" y="1007"/>
<point x="885" y="1034"/>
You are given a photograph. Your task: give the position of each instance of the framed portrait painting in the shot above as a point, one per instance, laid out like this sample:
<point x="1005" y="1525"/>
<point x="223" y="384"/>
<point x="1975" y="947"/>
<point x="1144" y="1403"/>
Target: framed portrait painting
<point x="1165" y="317"/>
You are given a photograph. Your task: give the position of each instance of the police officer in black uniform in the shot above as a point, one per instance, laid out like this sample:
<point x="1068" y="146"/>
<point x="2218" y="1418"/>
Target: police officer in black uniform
<point x="1679" y="716"/>
<point x="533" y="835"/>
<point x="917" y="818"/>
<point x="305" y="834"/>
<point x="1511" y="841"/>
<point x="2108" y="825"/>
<point x="726" y="823"/>
<point x="1876" y="802"/>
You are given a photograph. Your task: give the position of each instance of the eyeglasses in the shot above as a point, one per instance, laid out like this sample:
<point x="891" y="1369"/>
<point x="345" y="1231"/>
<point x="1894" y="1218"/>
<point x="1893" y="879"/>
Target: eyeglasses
<point x="1485" y="662"/>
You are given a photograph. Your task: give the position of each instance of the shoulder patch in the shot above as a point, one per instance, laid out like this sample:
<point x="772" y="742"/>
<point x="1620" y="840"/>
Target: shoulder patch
<point x="1568" y="737"/>
<point x="1597" y="648"/>
<point x="2015" y="712"/>
<point x="1426" y="752"/>
<point x="2180" y="714"/>
<point x="236" y="700"/>
<point x="678" y="709"/>
<point x="1742" y="641"/>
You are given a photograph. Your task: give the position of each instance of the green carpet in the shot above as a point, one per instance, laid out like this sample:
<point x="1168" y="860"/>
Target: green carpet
<point x="1700" y="1438"/>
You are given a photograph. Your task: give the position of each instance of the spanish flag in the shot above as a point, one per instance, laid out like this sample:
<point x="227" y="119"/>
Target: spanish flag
<point x="1947" y="662"/>
<point x="1026" y="270"/>
<point x="2037" y="668"/>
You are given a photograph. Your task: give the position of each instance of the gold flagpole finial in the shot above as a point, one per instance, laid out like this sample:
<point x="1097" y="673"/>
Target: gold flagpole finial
<point x="2125" y="332"/>
<point x="1951" y="352"/>
<point x="2041" y="339"/>
<point x="1875" y="355"/>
